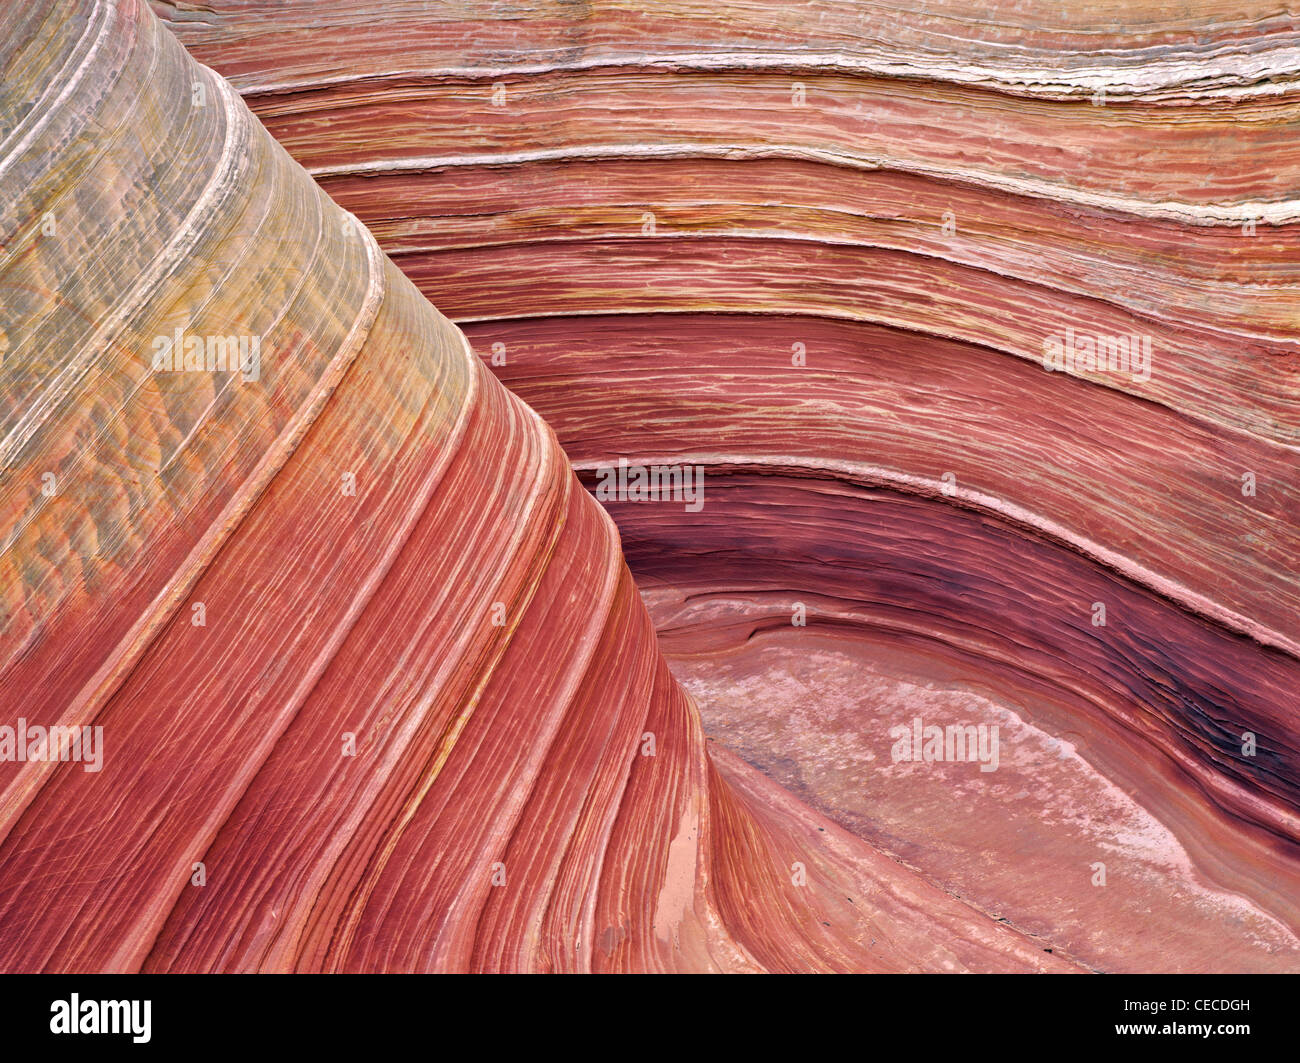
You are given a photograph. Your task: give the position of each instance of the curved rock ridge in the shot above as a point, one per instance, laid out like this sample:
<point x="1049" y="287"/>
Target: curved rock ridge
<point x="827" y="261"/>
<point x="1058" y="52"/>
<point x="344" y="670"/>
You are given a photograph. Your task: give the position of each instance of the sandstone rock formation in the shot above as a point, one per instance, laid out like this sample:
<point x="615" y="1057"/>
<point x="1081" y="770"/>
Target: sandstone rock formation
<point x="377" y="689"/>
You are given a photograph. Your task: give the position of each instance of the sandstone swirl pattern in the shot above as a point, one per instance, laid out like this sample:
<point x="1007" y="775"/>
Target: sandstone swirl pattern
<point x="819" y="259"/>
<point x="370" y="544"/>
<point x="648" y="215"/>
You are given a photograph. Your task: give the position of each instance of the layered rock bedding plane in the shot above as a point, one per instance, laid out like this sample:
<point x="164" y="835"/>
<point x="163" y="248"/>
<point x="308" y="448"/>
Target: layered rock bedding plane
<point x="691" y="487"/>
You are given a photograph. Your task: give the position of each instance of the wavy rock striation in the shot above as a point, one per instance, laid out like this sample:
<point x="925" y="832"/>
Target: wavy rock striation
<point x="827" y="260"/>
<point x="315" y="655"/>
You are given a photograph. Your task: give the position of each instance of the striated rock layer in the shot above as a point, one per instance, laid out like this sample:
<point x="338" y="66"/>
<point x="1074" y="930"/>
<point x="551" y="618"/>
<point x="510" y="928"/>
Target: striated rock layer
<point x="823" y="255"/>
<point x="359" y="676"/>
